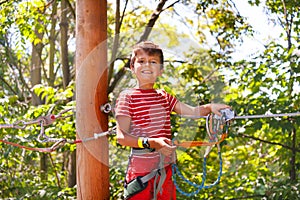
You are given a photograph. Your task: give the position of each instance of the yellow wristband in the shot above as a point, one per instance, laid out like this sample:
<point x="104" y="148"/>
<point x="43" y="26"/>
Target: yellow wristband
<point x="140" y="142"/>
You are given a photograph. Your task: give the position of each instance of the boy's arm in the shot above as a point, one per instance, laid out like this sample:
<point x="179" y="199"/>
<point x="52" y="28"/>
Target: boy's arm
<point x="123" y="132"/>
<point x="126" y="139"/>
<point x="203" y="110"/>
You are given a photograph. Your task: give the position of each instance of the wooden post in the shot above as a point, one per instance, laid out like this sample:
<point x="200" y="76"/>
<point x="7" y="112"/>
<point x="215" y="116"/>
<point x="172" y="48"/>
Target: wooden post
<point x="91" y="92"/>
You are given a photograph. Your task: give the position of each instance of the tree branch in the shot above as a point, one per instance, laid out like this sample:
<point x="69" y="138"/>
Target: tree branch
<point x="269" y="142"/>
<point x="249" y="197"/>
<point x="154" y="17"/>
<point x="3" y="2"/>
<point x="10" y="88"/>
<point x="72" y="9"/>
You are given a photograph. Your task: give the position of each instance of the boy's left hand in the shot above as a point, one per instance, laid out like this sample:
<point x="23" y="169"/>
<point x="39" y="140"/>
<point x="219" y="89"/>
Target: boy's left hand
<point x="215" y="108"/>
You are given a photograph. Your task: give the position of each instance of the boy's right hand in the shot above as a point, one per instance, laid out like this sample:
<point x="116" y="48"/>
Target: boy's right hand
<point x="162" y="145"/>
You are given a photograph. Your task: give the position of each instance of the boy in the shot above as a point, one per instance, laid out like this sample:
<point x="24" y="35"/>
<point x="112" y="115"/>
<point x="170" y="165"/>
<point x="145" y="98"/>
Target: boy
<point x="143" y="123"/>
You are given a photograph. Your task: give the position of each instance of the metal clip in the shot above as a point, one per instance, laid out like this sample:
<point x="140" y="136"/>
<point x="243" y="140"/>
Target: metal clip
<point x="228" y="114"/>
<point x="215" y="124"/>
<point x="58" y="144"/>
<point x="42" y="137"/>
<point x="106" y="108"/>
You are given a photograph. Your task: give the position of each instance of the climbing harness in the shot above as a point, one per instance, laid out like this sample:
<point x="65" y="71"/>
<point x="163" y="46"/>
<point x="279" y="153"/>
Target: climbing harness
<point x="140" y="183"/>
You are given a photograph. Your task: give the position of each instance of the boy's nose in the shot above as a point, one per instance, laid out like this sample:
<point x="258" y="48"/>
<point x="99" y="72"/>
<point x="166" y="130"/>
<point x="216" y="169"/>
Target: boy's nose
<point x="147" y="64"/>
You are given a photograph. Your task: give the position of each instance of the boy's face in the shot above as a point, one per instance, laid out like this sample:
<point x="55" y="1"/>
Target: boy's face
<point x="146" y="68"/>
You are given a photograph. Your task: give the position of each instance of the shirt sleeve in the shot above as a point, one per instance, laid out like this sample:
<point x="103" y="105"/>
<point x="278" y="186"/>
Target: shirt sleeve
<point x="122" y="106"/>
<point x="172" y="101"/>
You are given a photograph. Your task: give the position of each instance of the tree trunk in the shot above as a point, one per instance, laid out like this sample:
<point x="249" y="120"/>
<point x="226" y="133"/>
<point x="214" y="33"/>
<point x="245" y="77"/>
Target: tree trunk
<point x="64" y="43"/>
<point x="72" y="169"/>
<point x="52" y="43"/>
<point x="91" y="92"/>
<point x="35" y="77"/>
<point x="66" y="80"/>
<point x="36" y="65"/>
<point x="43" y="166"/>
<point x="293" y="157"/>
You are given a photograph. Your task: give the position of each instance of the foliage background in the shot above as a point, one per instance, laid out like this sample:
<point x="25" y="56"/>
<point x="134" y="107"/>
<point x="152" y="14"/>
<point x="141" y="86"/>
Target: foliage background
<point x="260" y="157"/>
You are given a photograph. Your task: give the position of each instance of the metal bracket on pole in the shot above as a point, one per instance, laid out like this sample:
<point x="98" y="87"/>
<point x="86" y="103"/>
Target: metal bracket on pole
<point x="106" y="108"/>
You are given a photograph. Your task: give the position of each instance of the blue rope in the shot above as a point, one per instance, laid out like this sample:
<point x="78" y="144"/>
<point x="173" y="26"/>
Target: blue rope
<point x="176" y="171"/>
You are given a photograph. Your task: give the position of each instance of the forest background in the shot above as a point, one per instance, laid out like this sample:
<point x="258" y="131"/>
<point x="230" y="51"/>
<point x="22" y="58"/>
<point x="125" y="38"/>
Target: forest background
<point x="200" y="38"/>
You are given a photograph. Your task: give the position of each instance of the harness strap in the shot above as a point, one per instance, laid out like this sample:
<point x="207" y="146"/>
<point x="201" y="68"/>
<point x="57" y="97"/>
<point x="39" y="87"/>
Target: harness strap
<point x="149" y="176"/>
<point x="159" y="172"/>
<point x="138" y="151"/>
<point x="162" y="179"/>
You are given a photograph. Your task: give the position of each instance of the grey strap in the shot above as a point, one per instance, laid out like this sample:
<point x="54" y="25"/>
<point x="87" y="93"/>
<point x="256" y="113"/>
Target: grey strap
<point x="162" y="179"/>
<point x="137" y="151"/>
<point x="149" y="176"/>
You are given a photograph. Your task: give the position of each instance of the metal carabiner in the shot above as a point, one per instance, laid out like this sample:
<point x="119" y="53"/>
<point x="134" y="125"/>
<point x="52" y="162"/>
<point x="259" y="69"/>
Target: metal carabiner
<point x="20" y="124"/>
<point x="42" y="137"/>
<point x="58" y="144"/>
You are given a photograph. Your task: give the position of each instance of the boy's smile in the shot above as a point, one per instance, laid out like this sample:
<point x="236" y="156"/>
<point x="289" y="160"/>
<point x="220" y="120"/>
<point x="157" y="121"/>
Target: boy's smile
<point x="146" y="72"/>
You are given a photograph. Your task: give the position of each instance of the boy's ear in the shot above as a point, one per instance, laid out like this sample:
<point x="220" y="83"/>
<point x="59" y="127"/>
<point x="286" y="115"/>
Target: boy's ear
<point x="161" y="72"/>
<point x="132" y="68"/>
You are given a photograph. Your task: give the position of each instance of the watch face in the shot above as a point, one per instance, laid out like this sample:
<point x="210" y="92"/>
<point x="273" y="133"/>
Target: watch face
<point x="146" y="143"/>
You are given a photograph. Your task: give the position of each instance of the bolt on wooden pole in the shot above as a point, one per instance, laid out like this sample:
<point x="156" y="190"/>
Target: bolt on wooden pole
<point x="91" y="92"/>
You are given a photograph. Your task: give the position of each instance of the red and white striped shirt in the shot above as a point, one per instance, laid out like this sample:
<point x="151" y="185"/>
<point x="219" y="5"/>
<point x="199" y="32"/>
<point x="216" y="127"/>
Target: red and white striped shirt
<point x="149" y="110"/>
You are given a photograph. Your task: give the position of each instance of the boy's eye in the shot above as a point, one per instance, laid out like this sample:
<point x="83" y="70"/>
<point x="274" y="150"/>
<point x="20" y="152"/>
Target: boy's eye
<point x="151" y="62"/>
<point x="154" y="62"/>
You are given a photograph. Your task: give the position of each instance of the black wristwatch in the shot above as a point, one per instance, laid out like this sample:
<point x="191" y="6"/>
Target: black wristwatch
<point x="146" y="143"/>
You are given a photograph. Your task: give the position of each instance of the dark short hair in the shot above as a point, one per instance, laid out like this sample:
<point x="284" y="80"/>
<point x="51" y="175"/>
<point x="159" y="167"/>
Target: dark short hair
<point x="149" y="48"/>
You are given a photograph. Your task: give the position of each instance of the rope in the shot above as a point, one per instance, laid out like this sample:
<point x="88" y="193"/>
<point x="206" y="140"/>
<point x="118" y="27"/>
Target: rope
<point x="214" y="126"/>
<point x="43" y="150"/>
<point x="43" y="138"/>
<point x="45" y="120"/>
<point x="199" y="187"/>
<point x="195" y="143"/>
<point x="60" y="142"/>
